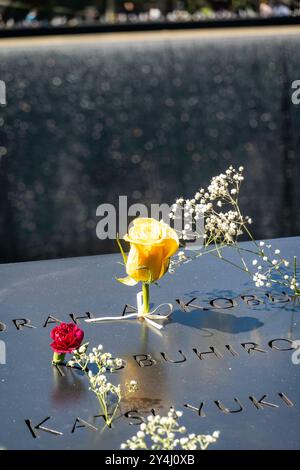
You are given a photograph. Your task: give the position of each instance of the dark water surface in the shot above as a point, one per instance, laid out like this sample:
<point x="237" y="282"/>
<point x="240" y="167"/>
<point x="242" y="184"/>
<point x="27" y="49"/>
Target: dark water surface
<point x="151" y="120"/>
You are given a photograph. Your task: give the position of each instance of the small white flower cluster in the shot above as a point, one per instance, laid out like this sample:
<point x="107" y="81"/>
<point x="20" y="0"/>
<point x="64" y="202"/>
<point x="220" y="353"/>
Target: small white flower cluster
<point x="223" y="224"/>
<point x="104" y="360"/>
<point x="260" y="279"/>
<point x="132" y="386"/>
<point x="269" y="270"/>
<point x="178" y="260"/>
<point x="105" y="391"/>
<point x="220" y="226"/>
<point x="293" y="283"/>
<point x="226" y="183"/>
<point x="163" y="433"/>
<point x="100" y="385"/>
<point x="224" y="227"/>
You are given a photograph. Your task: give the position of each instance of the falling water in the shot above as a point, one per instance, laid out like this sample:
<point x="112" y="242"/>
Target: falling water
<point x="152" y="120"/>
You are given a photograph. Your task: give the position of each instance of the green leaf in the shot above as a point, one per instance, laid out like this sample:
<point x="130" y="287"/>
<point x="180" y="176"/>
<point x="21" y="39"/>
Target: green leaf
<point x="121" y="249"/>
<point x="127" y="280"/>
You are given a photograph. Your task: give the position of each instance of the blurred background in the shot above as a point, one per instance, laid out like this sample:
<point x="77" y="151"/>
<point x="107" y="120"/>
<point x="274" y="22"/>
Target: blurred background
<point x="53" y="13"/>
<point x="152" y="116"/>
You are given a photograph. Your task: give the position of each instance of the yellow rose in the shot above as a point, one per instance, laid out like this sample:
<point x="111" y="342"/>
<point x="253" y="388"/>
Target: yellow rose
<point x="152" y="243"/>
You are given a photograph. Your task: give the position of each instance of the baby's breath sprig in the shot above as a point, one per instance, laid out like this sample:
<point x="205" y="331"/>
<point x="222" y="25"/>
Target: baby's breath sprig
<point x="132" y="386"/>
<point x="108" y="395"/>
<point x="218" y="206"/>
<point x="165" y="433"/>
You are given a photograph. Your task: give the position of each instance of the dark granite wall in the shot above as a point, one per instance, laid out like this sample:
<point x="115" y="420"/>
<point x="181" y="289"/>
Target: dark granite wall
<point x="151" y="120"/>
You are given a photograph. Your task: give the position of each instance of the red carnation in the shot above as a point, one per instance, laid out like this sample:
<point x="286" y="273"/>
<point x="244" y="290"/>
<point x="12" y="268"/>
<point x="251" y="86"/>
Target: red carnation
<point x="66" y="337"/>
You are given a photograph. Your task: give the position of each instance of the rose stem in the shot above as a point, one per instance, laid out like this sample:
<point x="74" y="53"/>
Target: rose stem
<point x="58" y="358"/>
<point x="146" y="305"/>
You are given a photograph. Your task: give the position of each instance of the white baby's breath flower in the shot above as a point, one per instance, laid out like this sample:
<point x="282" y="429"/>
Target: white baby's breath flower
<point x="224" y="223"/>
<point x="164" y="433"/>
<point x="99" y="384"/>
